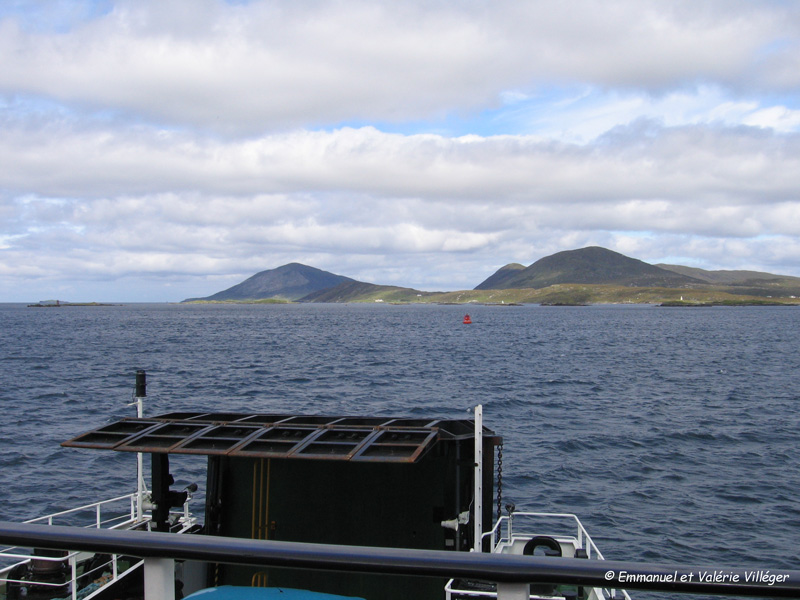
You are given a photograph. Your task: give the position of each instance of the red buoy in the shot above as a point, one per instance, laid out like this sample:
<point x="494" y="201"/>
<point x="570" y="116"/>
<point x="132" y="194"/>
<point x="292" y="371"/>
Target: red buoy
<point x="467" y="320"/>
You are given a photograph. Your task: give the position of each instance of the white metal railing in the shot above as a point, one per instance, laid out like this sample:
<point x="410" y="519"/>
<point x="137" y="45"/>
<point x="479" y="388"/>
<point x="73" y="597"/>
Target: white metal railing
<point x="69" y="573"/>
<point x="504" y="530"/>
<point x="76" y="574"/>
<point x="512" y="573"/>
<point x="525" y="525"/>
<point x="79" y="578"/>
<point x="94" y="512"/>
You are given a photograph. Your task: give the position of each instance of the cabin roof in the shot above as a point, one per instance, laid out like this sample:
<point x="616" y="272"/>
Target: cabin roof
<point x="367" y="439"/>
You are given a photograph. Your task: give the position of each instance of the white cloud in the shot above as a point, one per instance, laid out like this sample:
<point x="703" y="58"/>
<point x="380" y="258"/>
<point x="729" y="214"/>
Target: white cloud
<point x="276" y="65"/>
<point x="641" y="161"/>
<point x="778" y="118"/>
<point x="355" y="192"/>
<point x="194" y="143"/>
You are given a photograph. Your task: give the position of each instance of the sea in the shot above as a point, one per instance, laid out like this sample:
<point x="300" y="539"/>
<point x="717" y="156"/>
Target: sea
<point x="673" y="433"/>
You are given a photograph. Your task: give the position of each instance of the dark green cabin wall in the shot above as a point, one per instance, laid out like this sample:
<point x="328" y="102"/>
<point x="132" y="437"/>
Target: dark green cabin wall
<point x="352" y="503"/>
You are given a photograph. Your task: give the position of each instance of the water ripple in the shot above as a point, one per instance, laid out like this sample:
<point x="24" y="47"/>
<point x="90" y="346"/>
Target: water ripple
<point x="656" y="427"/>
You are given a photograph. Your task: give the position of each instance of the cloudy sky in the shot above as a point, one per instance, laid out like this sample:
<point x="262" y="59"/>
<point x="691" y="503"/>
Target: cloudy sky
<point x="154" y="150"/>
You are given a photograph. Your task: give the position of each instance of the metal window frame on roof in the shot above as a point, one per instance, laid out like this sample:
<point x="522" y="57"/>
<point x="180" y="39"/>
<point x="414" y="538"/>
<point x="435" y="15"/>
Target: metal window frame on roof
<point x="360" y="439"/>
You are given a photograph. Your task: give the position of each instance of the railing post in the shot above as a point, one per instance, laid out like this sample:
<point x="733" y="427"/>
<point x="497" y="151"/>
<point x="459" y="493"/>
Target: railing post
<point x="159" y="579"/>
<point x="73" y="568"/>
<point x="478" y="493"/>
<point x="513" y="591"/>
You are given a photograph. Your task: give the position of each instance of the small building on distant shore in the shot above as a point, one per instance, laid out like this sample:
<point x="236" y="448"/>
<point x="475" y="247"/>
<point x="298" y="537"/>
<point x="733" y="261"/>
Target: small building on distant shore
<point x="47" y="303"/>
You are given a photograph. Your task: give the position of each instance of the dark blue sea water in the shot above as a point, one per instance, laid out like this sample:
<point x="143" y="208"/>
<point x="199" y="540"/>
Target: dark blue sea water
<point x="672" y="433"/>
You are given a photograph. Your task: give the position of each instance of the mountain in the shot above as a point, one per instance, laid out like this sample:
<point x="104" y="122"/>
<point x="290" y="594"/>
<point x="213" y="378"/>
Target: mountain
<point x="289" y="282"/>
<point x="727" y="277"/>
<point x="357" y="291"/>
<point x="587" y="275"/>
<point x="592" y="265"/>
<point x="754" y="283"/>
<point x="501" y="276"/>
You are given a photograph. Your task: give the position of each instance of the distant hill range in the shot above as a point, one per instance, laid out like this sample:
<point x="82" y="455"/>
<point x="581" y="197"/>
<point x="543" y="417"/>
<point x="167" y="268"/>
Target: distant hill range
<point x="589" y="268"/>
<point x="358" y="291"/>
<point x="725" y="277"/>
<point x="593" y="265"/>
<point x="289" y="282"/>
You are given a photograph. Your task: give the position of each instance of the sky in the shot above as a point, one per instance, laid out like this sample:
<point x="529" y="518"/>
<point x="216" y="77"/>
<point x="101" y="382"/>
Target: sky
<point x="155" y="150"/>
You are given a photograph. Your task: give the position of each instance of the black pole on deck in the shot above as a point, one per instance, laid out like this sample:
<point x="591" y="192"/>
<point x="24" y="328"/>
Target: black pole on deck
<point x="141" y="384"/>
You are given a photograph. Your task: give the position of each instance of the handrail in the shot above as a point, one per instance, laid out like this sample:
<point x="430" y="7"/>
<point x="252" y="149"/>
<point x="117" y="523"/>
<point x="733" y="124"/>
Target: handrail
<point x="504" y="569"/>
<point x="508" y="522"/>
<point x="112" y="513"/>
<point x="95" y="507"/>
<point x="524" y="524"/>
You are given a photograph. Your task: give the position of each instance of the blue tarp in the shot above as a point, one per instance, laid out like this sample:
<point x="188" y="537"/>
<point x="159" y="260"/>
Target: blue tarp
<point x="230" y="592"/>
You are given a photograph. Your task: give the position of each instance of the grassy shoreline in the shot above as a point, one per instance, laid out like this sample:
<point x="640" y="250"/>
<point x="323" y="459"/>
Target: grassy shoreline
<point x="561" y="294"/>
